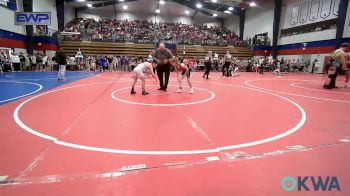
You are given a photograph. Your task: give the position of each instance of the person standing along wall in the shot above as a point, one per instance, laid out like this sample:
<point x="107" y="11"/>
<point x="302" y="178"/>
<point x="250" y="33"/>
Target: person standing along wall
<point x="22" y="61"/>
<point x="45" y="58"/>
<point x="39" y="62"/>
<point x="208" y="60"/>
<point x="124" y="63"/>
<point x="61" y="61"/>
<point x="15" y="62"/>
<point x="227" y="63"/>
<point x="27" y="62"/>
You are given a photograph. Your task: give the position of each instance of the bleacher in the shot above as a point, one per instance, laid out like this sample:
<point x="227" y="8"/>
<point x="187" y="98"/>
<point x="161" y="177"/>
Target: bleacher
<point x="106" y="48"/>
<point x="137" y="50"/>
<point x="200" y="51"/>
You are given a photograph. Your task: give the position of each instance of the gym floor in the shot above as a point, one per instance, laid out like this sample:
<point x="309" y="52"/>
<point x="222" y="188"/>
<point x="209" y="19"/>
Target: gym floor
<point x="233" y="136"/>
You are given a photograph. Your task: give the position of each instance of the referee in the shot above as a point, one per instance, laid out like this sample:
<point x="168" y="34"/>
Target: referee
<point x="228" y="61"/>
<point x="207" y="62"/>
<point x="163" y="55"/>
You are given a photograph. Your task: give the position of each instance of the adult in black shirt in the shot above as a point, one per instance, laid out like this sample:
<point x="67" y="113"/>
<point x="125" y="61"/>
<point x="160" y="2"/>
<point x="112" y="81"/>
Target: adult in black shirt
<point x="39" y="62"/>
<point x="163" y="56"/>
<point x="61" y="61"/>
<point x="110" y="63"/>
<point x="22" y="60"/>
<point x="227" y="63"/>
<point x="207" y="63"/>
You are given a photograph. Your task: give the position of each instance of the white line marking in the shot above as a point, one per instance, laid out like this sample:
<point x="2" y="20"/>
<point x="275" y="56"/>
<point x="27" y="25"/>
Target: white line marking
<point x="295" y="147"/>
<point x="40" y="87"/>
<point x="328" y="91"/>
<point x="111" y="174"/>
<point x="126" y="78"/>
<point x="35" y="79"/>
<point x="133" y="167"/>
<point x="247" y="82"/>
<point x="212" y="158"/>
<point x="345" y="140"/>
<point x="199" y="130"/>
<point x="212" y="96"/>
<point x="2" y="178"/>
<point x="115" y="78"/>
<point x="163" y="152"/>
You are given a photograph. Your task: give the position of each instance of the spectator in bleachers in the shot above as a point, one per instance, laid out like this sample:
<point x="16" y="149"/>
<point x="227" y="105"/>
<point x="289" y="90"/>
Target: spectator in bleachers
<point x="144" y="31"/>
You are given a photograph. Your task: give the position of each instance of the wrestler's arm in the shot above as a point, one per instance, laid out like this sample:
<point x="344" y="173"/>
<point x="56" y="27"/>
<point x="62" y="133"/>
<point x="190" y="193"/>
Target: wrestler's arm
<point x="150" y="70"/>
<point x="348" y="59"/>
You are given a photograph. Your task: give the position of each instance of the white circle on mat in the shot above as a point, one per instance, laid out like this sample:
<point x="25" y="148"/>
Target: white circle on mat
<point x="54" y="78"/>
<point x="158" y="152"/>
<point x="17" y="97"/>
<point x="248" y="83"/>
<point x="328" y="91"/>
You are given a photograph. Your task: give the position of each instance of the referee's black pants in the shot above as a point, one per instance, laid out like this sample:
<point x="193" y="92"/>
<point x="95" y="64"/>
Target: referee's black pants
<point x="333" y="78"/>
<point x="163" y="71"/>
<point x="207" y="69"/>
<point x="226" y="66"/>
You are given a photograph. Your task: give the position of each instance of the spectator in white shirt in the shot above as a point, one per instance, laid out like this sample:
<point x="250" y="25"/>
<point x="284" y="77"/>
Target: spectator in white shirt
<point x="15" y="62"/>
<point x="33" y="61"/>
<point x="45" y="58"/>
<point x="27" y="61"/>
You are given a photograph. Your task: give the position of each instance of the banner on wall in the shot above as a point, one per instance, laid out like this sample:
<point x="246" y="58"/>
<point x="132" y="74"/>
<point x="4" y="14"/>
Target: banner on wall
<point x="295" y="15"/>
<point x="326" y="8"/>
<point x="315" y="4"/>
<point x="33" y="18"/>
<point x="336" y="7"/>
<point x="171" y="47"/>
<point x="304" y="12"/>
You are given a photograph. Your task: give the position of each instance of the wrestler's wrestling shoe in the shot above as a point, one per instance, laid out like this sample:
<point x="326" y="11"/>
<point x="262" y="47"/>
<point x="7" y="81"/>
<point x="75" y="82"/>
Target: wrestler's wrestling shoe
<point x="178" y="90"/>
